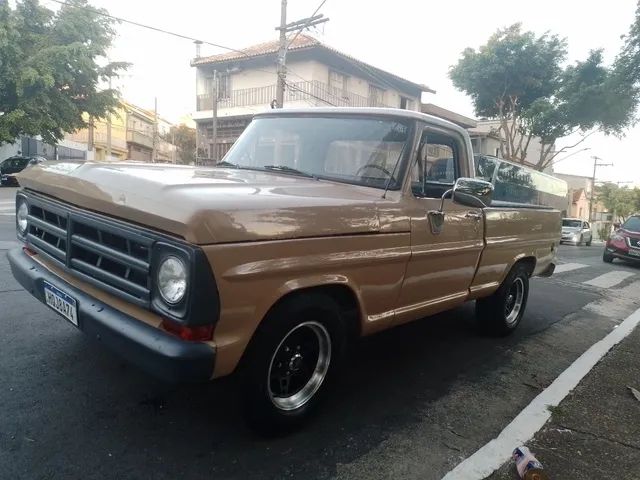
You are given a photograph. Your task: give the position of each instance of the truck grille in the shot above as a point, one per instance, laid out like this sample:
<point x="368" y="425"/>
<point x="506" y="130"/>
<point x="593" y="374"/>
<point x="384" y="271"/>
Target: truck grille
<point x="98" y="250"/>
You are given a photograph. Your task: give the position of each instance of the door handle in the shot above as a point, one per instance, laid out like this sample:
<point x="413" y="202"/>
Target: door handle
<point x="474" y="215"/>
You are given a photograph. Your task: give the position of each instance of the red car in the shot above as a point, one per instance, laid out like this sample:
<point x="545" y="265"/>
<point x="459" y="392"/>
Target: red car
<point x="625" y="242"/>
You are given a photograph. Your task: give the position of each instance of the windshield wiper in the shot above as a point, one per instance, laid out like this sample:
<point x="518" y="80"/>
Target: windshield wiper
<point x="286" y="169"/>
<point x="224" y="163"/>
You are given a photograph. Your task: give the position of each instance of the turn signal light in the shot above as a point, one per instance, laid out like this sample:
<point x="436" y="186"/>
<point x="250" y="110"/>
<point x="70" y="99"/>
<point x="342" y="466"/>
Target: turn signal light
<point x="198" y="333"/>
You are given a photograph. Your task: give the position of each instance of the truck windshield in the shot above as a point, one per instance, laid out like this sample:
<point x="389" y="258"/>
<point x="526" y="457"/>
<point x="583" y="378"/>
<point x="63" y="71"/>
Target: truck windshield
<point x="359" y="150"/>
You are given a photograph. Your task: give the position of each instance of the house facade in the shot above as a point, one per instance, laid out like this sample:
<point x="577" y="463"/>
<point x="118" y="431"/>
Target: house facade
<point x="486" y="140"/>
<point x="317" y="76"/>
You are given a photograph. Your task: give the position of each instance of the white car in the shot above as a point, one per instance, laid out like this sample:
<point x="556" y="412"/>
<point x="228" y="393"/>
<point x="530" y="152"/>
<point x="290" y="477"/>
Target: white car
<point x="576" y="231"/>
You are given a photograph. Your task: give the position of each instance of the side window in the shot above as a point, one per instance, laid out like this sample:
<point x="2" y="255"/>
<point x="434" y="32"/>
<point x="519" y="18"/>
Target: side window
<point x="434" y="170"/>
<point x="485" y="167"/>
<point x="586" y="225"/>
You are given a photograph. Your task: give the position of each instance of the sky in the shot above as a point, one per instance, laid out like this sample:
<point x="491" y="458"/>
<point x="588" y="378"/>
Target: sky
<point x="416" y="40"/>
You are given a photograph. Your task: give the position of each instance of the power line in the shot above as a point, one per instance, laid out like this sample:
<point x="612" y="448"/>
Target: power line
<point x="293" y="87"/>
<point x="309" y="21"/>
<point x="148" y="27"/>
<point x="193" y="39"/>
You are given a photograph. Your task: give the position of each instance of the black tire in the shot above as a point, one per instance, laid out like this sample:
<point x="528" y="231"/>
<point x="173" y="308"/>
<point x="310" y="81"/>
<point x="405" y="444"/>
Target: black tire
<point x="580" y="241"/>
<point x="496" y="314"/>
<point x="588" y="244"/>
<point x="300" y="317"/>
<point x="607" y="257"/>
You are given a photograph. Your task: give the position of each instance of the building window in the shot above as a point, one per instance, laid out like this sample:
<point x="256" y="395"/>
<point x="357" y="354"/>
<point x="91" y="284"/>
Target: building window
<point x="224" y="86"/>
<point x="406" y="103"/>
<point x="338" y="84"/>
<point x="376" y="96"/>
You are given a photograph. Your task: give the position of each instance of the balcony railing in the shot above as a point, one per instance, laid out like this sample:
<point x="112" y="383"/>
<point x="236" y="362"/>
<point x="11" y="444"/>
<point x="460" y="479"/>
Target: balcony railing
<point x="139" y="138"/>
<point x="99" y="138"/>
<point x="317" y="93"/>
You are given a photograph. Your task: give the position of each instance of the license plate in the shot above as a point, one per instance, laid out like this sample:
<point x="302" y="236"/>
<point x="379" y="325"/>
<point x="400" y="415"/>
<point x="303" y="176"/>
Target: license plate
<point x="634" y="253"/>
<point x="61" y="302"/>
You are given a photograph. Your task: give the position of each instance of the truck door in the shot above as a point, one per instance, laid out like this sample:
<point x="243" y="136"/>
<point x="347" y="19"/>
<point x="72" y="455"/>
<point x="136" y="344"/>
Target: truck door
<point x="443" y="262"/>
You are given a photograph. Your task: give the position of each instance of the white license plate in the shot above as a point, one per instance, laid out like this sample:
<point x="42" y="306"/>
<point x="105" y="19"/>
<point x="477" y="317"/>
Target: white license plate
<point x="61" y="302"/>
<point x="634" y="253"/>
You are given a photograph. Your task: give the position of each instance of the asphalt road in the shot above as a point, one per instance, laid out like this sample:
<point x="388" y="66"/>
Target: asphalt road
<point x="412" y="403"/>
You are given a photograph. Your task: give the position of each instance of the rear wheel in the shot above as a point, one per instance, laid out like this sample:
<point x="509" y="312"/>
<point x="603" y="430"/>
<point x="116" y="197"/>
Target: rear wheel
<point x="588" y="244"/>
<point x="500" y="313"/>
<point x="580" y="241"/>
<point x="290" y="361"/>
<point x="607" y="257"/>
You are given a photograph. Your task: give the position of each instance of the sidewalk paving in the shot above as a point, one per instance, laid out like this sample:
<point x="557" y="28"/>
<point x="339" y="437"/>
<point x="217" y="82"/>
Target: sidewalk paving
<point x="595" y="432"/>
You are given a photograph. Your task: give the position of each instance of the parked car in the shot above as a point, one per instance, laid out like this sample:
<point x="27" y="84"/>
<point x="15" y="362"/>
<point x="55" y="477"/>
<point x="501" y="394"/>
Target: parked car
<point x="13" y="165"/>
<point x="576" y="231"/>
<point x="624" y="243"/>
<point x="320" y="225"/>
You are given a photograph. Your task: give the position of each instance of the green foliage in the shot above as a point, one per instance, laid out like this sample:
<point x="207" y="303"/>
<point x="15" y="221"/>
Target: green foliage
<point x="623" y="201"/>
<point x="519" y="79"/>
<point x="184" y="138"/>
<point x="627" y="64"/>
<point x="513" y="65"/>
<point x="52" y="66"/>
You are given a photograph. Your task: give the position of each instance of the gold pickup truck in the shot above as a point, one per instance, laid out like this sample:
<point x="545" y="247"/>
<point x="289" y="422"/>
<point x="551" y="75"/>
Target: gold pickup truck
<point x="318" y="226"/>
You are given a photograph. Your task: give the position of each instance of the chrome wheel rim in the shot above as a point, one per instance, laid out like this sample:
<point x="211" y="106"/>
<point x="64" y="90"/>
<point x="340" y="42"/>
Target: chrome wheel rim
<point x="513" y="303"/>
<point x="299" y="365"/>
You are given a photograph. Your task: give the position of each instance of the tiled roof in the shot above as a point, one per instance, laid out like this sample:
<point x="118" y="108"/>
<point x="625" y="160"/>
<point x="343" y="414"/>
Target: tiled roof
<point x="301" y="42"/>
<point x="266" y="48"/>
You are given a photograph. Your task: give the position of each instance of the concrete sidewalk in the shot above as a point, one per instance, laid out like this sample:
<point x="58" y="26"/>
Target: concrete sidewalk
<point x="595" y="432"/>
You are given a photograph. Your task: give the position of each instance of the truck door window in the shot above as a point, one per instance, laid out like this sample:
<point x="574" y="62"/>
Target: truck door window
<point x="434" y="170"/>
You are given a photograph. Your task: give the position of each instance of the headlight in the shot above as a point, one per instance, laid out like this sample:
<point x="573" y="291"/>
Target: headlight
<point x="21" y="217"/>
<point x="617" y="238"/>
<point x="172" y="279"/>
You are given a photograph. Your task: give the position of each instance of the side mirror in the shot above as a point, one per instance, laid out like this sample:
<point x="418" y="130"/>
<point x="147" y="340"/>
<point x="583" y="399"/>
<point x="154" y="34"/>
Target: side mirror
<point x="470" y="192"/>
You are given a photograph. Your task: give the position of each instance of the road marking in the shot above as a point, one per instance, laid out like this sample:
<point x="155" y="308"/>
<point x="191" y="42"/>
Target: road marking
<point x="609" y="279"/>
<point x="567" y="267"/>
<point x="8" y="244"/>
<point x="522" y="428"/>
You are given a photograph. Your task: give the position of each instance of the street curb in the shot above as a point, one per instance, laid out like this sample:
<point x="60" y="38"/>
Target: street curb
<point x="534" y="416"/>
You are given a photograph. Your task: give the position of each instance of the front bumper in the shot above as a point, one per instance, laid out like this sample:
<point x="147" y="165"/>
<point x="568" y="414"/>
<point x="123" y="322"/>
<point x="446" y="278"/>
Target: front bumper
<point x="624" y="255"/>
<point x="155" y="351"/>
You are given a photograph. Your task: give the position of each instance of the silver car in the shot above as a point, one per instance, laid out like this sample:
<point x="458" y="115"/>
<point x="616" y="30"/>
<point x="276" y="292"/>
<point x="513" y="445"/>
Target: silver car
<point x="576" y="231"/>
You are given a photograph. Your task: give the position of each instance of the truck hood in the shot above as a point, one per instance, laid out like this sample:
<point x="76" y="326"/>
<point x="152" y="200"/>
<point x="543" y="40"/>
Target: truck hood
<point x="211" y="205"/>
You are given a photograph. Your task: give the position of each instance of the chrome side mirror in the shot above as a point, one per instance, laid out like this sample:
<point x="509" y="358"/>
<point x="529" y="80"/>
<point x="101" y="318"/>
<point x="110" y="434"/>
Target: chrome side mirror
<point x="470" y="192"/>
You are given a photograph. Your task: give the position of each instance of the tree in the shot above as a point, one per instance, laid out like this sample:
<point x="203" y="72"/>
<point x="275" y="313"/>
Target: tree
<point x="627" y="64"/>
<point x="518" y="79"/>
<point x="52" y="67"/>
<point x="184" y="138"/>
<point x="622" y="202"/>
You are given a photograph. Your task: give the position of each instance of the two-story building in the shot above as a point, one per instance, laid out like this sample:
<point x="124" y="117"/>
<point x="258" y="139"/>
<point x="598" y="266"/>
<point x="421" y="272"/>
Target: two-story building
<point x="130" y="133"/>
<point x="317" y="75"/>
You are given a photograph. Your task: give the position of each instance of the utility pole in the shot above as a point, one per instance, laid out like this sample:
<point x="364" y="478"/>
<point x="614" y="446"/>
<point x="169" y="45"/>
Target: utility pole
<point x="282" y="67"/>
<point x="109" y="129"/>
<point x="593" y="183"/>
<point x="284" y="28"/>
<point x="154" y="153"/>
<point x="214" y="118"/>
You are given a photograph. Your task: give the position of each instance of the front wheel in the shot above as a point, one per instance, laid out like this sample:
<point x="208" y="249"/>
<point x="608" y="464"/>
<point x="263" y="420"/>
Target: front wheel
<point x="607" y="257"/>
<point x="500" y="313"/>
<point x="588" y="244"/>
<point x="290" y="361"/>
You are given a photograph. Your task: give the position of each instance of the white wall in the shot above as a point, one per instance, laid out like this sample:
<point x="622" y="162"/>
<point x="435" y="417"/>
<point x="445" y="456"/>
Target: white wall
<point x="298" y="71"/>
